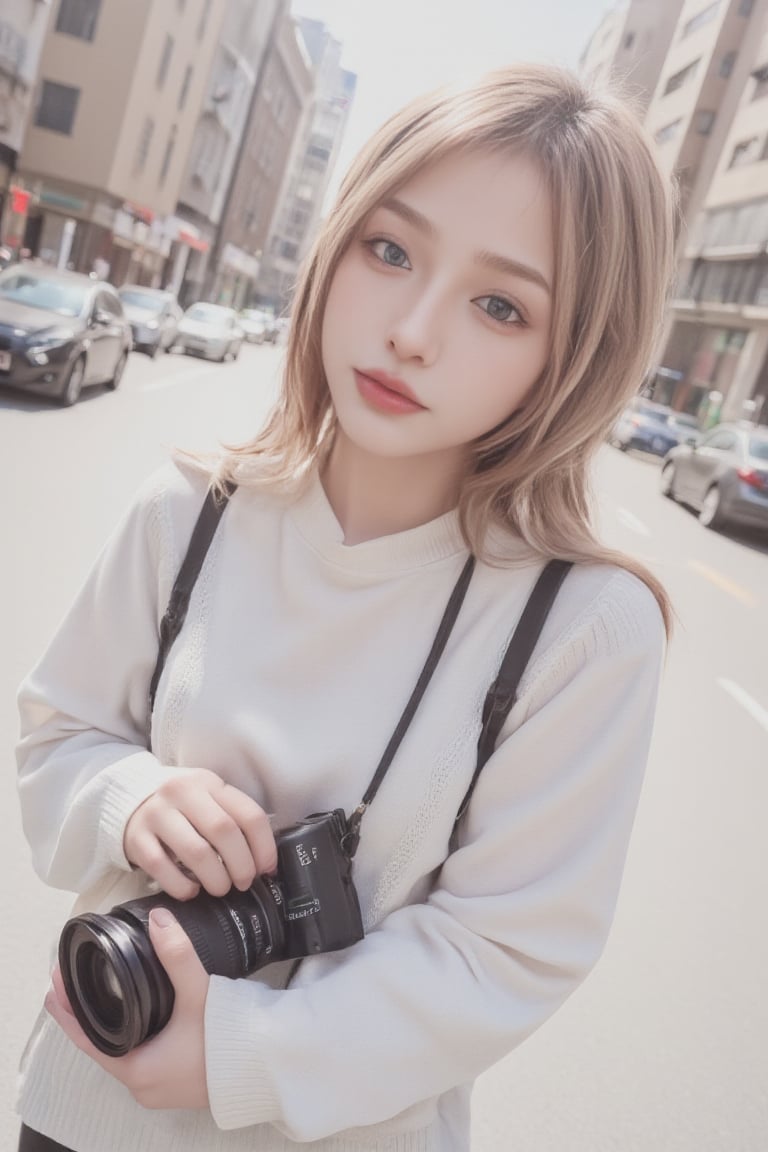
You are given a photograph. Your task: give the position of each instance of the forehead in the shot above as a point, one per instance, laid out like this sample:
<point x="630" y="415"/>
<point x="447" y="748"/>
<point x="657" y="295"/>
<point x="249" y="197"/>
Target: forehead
<point x="491" y="201"/>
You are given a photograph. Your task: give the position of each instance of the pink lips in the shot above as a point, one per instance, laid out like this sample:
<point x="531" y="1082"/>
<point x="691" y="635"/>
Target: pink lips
<point x="386" y="393"/>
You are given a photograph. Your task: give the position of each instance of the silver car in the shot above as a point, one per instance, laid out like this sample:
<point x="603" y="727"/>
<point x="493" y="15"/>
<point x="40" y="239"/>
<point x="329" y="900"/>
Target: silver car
<point x="210" y="330"/>
<point x="723" y="474"/>
<point x="153" y="315"/>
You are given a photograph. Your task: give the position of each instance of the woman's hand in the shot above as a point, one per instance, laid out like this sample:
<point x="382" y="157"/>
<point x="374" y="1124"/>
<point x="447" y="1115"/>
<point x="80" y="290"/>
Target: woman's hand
<point x="167" y="1071"/>
<point x="218" y="833"/>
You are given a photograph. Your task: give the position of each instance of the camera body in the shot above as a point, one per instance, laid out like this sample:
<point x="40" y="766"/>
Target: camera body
<point x="119" y="990"/>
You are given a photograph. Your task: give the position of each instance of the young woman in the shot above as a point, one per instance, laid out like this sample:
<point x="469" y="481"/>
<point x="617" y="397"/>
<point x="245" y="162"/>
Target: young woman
<point x="481" y="303"/>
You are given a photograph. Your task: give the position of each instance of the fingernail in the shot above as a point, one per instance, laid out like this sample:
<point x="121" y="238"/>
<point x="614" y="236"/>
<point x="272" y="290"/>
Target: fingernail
<point x="161" y="918"/>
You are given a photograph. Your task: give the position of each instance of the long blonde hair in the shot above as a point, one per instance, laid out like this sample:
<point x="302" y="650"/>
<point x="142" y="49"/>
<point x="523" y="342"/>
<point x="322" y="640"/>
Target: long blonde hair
<point x="614" y="221"/>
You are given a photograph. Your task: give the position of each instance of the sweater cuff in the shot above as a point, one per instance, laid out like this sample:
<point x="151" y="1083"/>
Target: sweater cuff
<point x="241" y="1091"/>
<point x="132" y="781"/>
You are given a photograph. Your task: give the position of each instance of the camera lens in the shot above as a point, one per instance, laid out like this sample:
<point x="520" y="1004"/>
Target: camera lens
<point x="119" y="990"/>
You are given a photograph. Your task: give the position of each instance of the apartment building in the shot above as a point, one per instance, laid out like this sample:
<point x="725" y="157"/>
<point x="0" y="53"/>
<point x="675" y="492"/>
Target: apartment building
<point x="22" y="31"/>
<point x="117" y="97"/>
<point x="718" y="345"/>
<point x="283" y="91"/>
<point x="295" y="223"/>
<point x="709" y="59"/>
<point x="629" y="46"/>
<point x="247" y="32"/>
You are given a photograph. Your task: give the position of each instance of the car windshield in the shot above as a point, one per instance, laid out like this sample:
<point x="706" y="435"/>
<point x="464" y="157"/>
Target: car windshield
<point x="657" y="415"/>
<point x="758" y="447"/>
<point x="150" y="301"/>
<point x="40" y="292"/>
<point x="209" y="313"/>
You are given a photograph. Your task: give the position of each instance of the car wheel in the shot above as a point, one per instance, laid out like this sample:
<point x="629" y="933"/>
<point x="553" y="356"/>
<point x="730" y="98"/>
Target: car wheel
<point x="668" y="480"/>
<point x="155" y="350"/>
<point x="73" y="383"/>
<point x="117" y="376"/>
<point x="710" y="514"/>
<point x="236" y="352"/>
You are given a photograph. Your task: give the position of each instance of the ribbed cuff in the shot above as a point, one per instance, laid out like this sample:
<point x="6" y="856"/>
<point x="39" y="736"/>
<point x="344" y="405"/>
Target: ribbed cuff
<point x="133" y="780"/>
<point x="241" y="1091"/>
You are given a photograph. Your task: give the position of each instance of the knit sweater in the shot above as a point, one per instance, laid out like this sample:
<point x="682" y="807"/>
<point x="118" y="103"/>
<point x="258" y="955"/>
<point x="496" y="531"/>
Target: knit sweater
<point x="293" y="667"/>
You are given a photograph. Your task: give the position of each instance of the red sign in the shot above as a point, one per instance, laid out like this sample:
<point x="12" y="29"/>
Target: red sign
<point x="19" y="200"/>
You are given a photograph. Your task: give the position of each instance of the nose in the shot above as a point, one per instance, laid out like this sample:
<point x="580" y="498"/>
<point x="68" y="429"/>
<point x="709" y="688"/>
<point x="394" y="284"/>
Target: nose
<point x="415" y="332"/>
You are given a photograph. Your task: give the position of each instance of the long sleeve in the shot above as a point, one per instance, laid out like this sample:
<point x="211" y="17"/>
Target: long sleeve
<point x="83" y="758"/>
<point x="518" y="916"/>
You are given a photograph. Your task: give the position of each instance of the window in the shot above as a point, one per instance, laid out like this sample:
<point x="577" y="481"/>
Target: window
<point x="704" y="121"/>
<point x="203" y="19"/>
<point x="682" y="77"/>
<point x="78" y="18"/>
<point x="726" y="64"/>
<point x="760" y="90"/>
<point x="57" y="108"/>
<point x="165" y="60"/>
<point x="142" y="150"/>
<point x="700" y="19"/>
<point x="722" y="441"/>
<point x="745" y="152"/>
<point x="668" y="132"/>
<point x="168" y="154"/>
<point x="184" y="92"/>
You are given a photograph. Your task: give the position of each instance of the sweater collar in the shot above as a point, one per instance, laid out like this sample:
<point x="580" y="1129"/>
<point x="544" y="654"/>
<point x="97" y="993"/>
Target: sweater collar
<point x="316" y="522"/>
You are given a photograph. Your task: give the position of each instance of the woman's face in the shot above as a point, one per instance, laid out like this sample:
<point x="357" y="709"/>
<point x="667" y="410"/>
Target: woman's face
<point x="438" y="316"/>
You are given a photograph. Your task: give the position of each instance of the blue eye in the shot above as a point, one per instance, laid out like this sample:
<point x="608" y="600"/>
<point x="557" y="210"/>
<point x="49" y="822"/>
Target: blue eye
<point x="389" y="253"/>
<point x="499" y="309"/>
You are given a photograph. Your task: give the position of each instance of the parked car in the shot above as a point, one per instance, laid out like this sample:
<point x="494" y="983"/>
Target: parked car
<point x="154" y="316"/>
<point x="651" y="427"/>
<point x="723" y="474"/>
<point x="210" y="330"/>
<point x="60" y="331"/>
<point x="258" y="325"/>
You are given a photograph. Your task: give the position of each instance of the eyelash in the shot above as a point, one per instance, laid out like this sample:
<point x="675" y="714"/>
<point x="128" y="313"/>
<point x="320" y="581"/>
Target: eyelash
<point x="520" y="321"/>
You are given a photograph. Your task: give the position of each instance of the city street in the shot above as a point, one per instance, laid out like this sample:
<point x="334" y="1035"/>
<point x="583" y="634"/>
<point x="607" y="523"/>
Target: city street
<point x="663" y="1049"/>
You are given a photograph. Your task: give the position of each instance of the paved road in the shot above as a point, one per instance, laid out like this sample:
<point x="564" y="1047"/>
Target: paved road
<point x="664" y="1046"/>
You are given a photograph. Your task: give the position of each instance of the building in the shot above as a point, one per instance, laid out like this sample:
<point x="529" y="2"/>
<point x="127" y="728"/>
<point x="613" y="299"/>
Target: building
<point x="22" y="31"/>
<point x="283" y="90"/>
<point x="717" y="349"/>
<point x="115" y="107"/>
<point x="629" y="46"/>
<point x="295" y="223"/>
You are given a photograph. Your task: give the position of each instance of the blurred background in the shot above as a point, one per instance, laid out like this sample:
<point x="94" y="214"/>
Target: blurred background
<point x="164" y="166"/>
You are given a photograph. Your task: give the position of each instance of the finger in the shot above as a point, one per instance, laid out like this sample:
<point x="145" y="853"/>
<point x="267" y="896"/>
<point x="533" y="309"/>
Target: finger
<point x="219" y="828"/>
<point x="175" y="952"/>
<point x="255" y="826"/>
<point x="154" y="858"/>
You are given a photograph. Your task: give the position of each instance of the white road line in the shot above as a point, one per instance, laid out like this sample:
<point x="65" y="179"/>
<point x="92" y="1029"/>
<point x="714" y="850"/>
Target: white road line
<point x="629" y="520"/>
<point x="756" y="711"/>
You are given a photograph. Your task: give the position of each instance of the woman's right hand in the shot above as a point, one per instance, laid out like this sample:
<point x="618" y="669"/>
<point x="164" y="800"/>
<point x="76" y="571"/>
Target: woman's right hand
<point x="218" y="833"/>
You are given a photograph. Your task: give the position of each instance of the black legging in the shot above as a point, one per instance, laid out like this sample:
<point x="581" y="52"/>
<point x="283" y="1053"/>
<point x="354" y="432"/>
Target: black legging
<point x="30" y="1141"/>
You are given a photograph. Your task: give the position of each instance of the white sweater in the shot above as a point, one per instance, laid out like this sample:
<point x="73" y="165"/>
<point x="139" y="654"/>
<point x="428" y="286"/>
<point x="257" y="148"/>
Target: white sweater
<point x="295" y="662"/>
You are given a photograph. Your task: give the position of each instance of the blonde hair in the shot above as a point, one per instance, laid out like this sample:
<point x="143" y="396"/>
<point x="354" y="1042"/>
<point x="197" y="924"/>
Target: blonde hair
<point x="613" y="220"/>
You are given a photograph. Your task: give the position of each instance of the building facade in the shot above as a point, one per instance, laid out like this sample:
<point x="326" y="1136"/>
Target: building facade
<point x="317" y="147"/>
<point x="629" y="46"/>
<point x="22" y="32"/>
<point x="116" y="102"/>
<point x="717" y="351"/>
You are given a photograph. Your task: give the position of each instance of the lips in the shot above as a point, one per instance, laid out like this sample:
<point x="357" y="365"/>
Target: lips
<point x="386" y="394"/>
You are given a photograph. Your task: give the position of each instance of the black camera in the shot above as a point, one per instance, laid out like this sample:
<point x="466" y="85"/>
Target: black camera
<point x="119" y="990"/>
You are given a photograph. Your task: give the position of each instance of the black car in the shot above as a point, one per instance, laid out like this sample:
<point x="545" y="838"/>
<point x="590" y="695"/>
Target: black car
<point x="651" y="427"/>
<point x="60" y="331"/>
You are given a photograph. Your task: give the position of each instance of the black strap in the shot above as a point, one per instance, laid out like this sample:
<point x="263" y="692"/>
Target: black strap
<point x="501" y="695"/>
<point x="352" y="838"/>
<point x="178" y="602"/>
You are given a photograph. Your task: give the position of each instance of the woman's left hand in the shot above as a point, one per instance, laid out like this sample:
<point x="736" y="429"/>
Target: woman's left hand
<point x="167" y="1071"/>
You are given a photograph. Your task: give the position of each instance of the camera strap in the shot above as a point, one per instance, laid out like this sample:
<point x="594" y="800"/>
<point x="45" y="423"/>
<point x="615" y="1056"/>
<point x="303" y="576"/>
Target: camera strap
<point x="499" y="698"/>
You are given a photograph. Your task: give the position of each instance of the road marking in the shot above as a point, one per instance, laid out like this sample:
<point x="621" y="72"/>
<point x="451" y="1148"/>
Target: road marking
<point x="720" y="581"/>
<point x="631" y="521"/>
<point x="756" y="711"/>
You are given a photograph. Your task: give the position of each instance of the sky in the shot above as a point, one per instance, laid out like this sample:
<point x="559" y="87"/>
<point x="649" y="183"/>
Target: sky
<point x="400" y="48"/>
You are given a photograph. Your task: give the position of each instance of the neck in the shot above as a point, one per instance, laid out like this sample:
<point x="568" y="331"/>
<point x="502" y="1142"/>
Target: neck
<point x="374" y="496"/>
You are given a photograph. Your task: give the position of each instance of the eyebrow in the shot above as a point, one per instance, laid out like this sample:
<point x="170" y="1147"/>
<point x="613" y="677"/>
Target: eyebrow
<point x="490" y="259"/>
